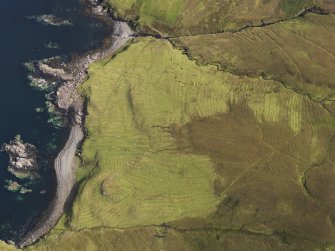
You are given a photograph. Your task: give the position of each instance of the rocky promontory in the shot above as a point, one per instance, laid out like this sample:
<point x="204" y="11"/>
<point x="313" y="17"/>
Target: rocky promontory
<point x="22" y="158"/>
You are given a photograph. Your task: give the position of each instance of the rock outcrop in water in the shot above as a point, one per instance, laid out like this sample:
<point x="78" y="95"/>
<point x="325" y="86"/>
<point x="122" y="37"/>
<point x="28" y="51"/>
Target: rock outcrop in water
<point x="22" y="158"/>
<point x="56" y="76"/>
<point x="61" y="76"/>
<point x="14" y="186"/>
<point x="51" y="20"/>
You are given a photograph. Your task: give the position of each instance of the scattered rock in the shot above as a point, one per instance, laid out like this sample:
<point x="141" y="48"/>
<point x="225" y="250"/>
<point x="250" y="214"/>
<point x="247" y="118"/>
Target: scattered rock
<point x="51" y="45"/>
<point x="25" y="190"/>
<point x="14" y="186"/>
<point x="39" y="109"/>
<point x="61" y="76"/>
<point x="98" y="8"/>
<point x="39" y="83"/>
<point x="50" y="20"/>
<point x="57" y="73"/>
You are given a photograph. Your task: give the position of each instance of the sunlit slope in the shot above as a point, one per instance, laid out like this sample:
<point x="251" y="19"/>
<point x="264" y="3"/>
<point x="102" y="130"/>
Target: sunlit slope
<point x="177" y="17"/>
<point x="140" y="178"/>
<point x="299" y="53"/>
<point x="182" y="157"/>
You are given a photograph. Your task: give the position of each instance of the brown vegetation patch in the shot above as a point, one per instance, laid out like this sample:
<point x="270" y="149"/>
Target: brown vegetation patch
<point x="261" y="168"/>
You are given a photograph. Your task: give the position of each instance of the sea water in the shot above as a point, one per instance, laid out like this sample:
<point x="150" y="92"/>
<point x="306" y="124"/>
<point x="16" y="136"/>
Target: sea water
<point x="25" y="36"/>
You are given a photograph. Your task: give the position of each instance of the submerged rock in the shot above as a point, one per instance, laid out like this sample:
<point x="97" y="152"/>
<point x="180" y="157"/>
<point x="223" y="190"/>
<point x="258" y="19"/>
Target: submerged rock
<point x="25" y="190"/>
<point x="22" y="158"/>
<point x="51" y="45"/>
<point x="12" y="186"/>
<point x="39" y="83"/>
<point x="39" y="109"/>
<point x="56" y="118"/>
<point x="51" y="20"/>
<point x="60" y="77"/>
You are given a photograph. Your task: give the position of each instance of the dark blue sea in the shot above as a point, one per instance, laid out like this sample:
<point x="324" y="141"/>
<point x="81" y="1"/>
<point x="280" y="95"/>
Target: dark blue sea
<point x="22" y="40"/>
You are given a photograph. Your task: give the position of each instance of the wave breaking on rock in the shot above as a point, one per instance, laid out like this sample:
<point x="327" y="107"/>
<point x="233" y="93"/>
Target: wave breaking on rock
<point x="22" y="158"/>
<point x="51" y="20"/>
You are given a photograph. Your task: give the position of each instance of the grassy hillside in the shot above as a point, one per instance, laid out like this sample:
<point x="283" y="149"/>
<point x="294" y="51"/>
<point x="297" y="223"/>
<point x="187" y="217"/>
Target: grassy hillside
<point x="299" y="53"/>
<point x="230" y="147"/>
<point x="156" y="238"/>
<point x="178" y="17"/>
<point x="186" y="157"/>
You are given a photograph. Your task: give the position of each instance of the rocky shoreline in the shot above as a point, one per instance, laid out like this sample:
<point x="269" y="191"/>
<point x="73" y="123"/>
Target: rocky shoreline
<point x="61" y="78"/>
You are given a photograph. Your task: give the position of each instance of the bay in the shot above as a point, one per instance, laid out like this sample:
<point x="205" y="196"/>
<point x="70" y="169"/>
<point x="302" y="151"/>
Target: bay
<point x="23" y="39"/>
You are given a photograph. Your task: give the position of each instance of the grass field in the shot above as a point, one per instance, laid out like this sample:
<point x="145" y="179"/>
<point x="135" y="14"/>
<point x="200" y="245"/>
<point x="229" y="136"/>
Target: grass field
<point x="289" y="52"/>
<point x="158" y="238"/>
<point x="187" y="157"/>
<point x="183" y="17"/>
<point x="209" y="141"/>
<point x="140" y="178"/>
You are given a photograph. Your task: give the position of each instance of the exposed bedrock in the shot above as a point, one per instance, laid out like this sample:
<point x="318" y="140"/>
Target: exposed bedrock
<point x="22" y="158"/>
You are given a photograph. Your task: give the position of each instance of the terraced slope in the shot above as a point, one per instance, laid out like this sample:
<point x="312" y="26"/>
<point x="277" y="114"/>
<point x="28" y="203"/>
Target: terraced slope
<point x="186" y="157"/>
<point x="299" y="53"/>
<point x="181" y="17"/>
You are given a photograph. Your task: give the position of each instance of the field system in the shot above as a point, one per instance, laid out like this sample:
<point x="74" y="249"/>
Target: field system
<point x="213" y="131"/>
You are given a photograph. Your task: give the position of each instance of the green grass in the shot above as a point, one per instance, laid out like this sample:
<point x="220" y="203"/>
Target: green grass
<point x="289" y="52"/>
<point x="140" y="178"/>
<point x="184" y="17"/>
<point x="292" y="7"/>
<point x="166" y="12"/>
<point x="160" y="238"/>
<point x="173" y="142"/>
<point x="150" y="11"/>
<point x="228" y="161"/>
<point x="122" y="6"/>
